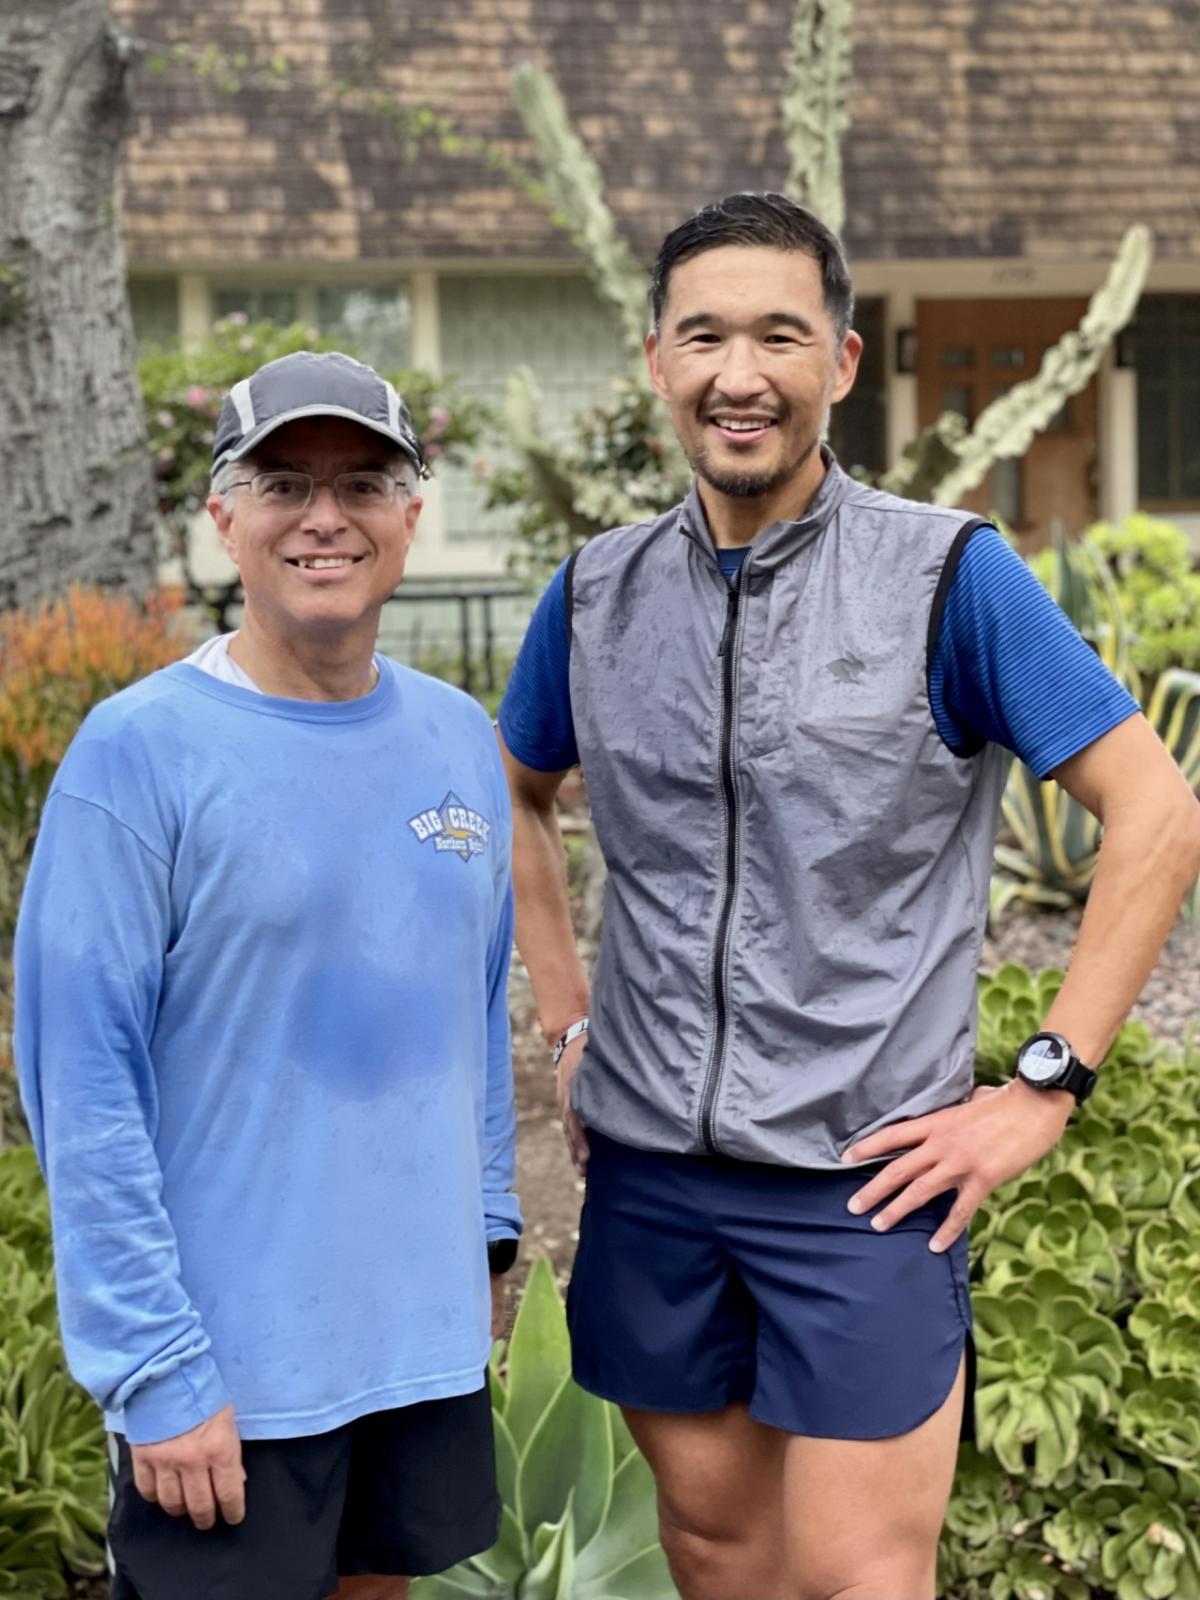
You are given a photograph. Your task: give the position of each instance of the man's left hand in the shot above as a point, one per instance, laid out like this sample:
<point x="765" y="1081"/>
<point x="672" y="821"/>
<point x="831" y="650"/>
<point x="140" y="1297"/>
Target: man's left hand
<point x="973" y="1148"/>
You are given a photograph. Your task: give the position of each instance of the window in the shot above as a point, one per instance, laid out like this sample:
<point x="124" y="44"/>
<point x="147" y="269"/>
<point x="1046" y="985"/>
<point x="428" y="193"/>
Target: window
<point x="154" y="305"/>
<point x="491" y="325"/>
<point x="1168" y="389"/>
<point x="371" y="321"/>
<point x="257" y="304"/>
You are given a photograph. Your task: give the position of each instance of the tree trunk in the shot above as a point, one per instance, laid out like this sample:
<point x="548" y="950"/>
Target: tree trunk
<point x="77" y="495"/>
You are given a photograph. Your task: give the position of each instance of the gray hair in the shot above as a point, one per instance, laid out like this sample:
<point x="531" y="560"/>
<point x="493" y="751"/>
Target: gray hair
<point x="230" y="473"/>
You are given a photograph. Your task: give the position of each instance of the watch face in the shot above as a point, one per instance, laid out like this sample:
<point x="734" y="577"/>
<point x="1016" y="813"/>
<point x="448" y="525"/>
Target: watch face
<point x="1042" y="1060"/>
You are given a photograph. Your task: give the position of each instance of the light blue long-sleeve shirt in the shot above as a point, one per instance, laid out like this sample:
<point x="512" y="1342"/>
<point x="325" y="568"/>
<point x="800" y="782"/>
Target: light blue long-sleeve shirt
<point x="263" y="1044"/>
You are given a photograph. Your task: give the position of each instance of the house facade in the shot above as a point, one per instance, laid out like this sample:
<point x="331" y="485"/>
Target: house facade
<point x="997" y="151"/>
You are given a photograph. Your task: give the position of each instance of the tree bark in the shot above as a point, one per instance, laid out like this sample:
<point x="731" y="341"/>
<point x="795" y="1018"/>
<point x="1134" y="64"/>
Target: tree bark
<point x="76" y="494"/>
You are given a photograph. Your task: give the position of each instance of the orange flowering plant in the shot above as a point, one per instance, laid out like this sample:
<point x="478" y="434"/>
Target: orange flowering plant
<point x="56" y="663"/>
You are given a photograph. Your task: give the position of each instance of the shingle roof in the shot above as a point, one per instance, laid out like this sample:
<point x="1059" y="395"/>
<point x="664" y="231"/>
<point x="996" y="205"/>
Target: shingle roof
<point x="979" y="127"/>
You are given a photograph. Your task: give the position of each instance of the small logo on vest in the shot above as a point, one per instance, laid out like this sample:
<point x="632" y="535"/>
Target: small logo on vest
<point x="454" y="828"/>
<point x="846" y="669"/>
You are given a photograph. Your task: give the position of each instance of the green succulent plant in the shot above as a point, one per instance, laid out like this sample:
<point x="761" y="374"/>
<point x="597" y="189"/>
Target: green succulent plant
<point x="987" y="1504"/>
<point x="1084" y="1241"/>
<point x="1136" y="1170"/>
<point x="1161" y="1417"/>
<point x="1012" y="1004"/>
<point x="1046" y="1360"/>
<point x="52" y="1472"/>
<point x="580" y="1518"/>
<point x="1154" y="1553"/>
<point x="1165" y="1245"/>
<point x="1170" y="1336"/>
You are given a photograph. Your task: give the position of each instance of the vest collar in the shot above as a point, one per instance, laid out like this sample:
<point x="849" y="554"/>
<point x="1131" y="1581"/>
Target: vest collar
<point x="780" y="541"/>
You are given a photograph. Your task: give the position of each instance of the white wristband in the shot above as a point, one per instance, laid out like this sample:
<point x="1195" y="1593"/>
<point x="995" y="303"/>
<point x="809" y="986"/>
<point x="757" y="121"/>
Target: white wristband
<point x="575" y="1031"/>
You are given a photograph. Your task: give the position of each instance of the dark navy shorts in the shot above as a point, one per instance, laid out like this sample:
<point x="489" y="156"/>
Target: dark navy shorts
<point x="404" y="1492"/>
<point x="701" y="1282"/>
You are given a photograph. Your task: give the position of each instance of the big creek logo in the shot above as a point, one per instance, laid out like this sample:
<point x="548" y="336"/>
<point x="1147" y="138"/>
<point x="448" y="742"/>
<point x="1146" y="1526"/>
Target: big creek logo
<point x="454" y="828"/>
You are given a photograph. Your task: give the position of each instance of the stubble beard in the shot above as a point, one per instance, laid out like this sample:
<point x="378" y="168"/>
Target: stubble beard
<point x="749" y="485"/>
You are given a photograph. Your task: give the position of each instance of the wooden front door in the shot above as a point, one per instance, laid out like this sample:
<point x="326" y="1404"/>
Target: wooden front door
<point x="971" y="351"/>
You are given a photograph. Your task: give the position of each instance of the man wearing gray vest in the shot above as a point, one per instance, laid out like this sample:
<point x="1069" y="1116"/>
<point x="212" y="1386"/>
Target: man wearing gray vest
<point x="791" y="696"/>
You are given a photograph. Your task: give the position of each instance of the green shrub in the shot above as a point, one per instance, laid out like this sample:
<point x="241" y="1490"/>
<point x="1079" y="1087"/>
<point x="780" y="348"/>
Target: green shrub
<point x="1159" y="587"/>
<point x="1086" y="1287"/>
<point x="52" y="1461"/>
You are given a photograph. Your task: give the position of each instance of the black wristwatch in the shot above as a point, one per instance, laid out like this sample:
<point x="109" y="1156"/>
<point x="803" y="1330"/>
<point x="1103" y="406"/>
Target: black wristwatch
<point x="501" y="1255"/>
<point x="1047" y="1062"/>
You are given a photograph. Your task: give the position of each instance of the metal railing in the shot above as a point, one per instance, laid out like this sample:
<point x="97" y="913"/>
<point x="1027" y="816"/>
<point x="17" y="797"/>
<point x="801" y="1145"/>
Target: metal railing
<point x="475" y="633"/>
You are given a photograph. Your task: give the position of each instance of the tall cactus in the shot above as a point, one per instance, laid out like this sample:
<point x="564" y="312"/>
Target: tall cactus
<point x="576" y="187"/>
<point x="815" y="106"/>
<point x="946" y="461"/>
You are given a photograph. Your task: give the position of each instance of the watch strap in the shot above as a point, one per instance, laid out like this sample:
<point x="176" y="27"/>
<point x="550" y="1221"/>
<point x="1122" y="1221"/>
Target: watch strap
<point x="575" y="1031"/>
<point x="1080" y="1080"/>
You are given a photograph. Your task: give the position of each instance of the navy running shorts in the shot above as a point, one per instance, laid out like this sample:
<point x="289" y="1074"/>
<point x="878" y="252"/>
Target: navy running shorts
<point x="404" y="1492"/>
<point x="701" y="1282"/>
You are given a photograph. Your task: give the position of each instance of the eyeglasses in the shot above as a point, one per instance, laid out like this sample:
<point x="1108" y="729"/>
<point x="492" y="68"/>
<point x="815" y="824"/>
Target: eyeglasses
<point x="292" y="492"/>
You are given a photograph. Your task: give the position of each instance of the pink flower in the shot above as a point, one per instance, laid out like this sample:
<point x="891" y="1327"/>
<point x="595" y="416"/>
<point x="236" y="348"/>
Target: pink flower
<point x="237" y="319"/>
<point x="438" y="418"/>
<point x="165" y="419"/>
<point x="197" y="397"/>
<point x="433" y="451"/>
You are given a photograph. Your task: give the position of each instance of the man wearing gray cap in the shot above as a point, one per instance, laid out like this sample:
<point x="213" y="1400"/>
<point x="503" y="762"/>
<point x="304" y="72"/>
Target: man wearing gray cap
<point x="263" y="1045"/>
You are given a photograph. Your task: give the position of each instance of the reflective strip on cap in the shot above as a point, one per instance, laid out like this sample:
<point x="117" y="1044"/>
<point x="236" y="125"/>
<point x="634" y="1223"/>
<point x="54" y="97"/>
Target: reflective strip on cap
<point x="393" y="400"/>
<point x="241" y="397"/>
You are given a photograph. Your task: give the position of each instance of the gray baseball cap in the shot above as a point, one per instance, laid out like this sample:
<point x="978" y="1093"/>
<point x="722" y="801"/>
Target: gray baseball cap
<point x="311" y="383"/>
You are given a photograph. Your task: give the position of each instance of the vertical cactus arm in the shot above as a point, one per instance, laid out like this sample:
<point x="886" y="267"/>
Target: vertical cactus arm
<point x="1009" y="425"/>
<point x="815" y="106"/>
<point x="575" y="186"/>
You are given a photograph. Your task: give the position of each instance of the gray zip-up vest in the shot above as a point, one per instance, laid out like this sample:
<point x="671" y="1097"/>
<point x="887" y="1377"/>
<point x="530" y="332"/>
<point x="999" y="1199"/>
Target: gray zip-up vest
<point x="798" y="864"/>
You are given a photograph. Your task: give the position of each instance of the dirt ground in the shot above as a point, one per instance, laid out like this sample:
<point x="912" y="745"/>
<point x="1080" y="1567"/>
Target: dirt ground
<point x="550" y="1191"/>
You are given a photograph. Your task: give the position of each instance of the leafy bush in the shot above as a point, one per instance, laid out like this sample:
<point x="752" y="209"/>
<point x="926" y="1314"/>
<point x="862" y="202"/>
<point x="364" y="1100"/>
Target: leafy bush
<point x="1154" y="571"/>
<point x="619" y="465"/>
<point x="580" y="1517"/>
<point x="1085" y="1273"/>
<point x="52" y="1472"/>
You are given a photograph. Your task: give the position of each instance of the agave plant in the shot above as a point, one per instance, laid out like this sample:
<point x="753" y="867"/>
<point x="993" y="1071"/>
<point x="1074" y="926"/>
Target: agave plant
<point x="1058" y="840"/>
<point x="580" y="1515"/>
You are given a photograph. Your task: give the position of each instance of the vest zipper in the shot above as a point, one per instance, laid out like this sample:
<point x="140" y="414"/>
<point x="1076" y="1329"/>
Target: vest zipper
<point x="727" y="655"/>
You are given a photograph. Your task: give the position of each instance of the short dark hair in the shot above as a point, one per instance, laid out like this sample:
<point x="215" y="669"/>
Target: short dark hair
<point x="758" y="219"/>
